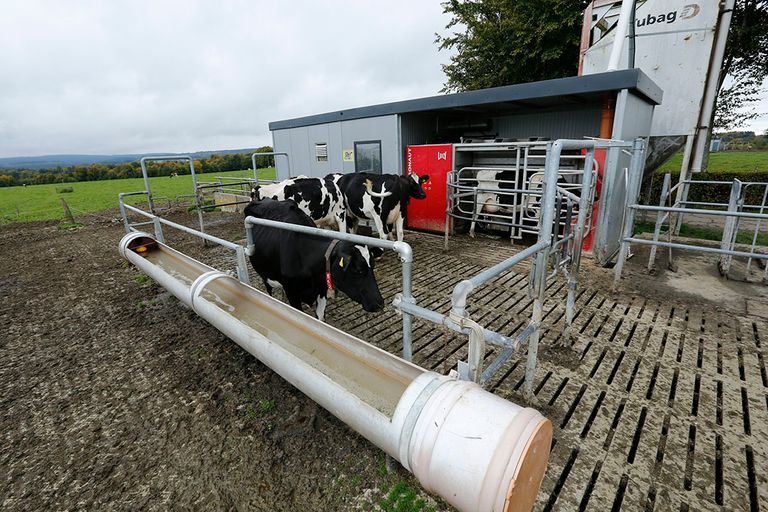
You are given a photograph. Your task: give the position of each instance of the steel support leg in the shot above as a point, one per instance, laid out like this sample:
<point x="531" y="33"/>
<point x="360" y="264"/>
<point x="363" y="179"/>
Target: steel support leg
<point x="659" y="220"/>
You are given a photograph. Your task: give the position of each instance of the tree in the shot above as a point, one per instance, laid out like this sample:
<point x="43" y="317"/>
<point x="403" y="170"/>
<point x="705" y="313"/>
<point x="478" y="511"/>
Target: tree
<point x="510" y="41"/>
<point x="745" y="65"/>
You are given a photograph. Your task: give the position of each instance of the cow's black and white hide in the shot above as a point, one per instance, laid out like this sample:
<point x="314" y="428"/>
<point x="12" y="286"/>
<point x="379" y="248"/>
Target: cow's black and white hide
<point x="296" y="262"/>
<point x="319" y="198"/>
<point x="489" y="201"/>
<point x="383" y="198"/>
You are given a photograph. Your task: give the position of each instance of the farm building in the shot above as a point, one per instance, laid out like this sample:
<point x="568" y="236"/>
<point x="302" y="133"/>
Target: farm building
<point x="617" y="104"/>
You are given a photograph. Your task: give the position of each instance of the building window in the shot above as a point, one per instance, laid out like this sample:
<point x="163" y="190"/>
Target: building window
<point x="321" y="152"/>
<point x="368" y="156"/>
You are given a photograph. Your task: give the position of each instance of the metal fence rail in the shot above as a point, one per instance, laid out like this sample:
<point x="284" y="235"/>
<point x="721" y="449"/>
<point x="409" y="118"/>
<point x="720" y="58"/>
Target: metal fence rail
<point x="476" y="193"/>
<point x="557" y="206"/>
<point x="158" y="223"/>
<point x="272" y="154"/>
<point x="734" y="212"/>
<point x="171" y="158"/>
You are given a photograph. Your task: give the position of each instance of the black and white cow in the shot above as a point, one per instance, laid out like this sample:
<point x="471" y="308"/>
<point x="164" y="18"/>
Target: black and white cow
<point x="490" y="201"/>
<point x="297" y="262"/>
<point x="384" y="202"/>
<point x="320" y="198"/>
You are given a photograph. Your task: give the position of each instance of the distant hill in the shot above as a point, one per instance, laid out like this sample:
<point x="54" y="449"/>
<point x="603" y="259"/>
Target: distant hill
<point x="53" y="161"/>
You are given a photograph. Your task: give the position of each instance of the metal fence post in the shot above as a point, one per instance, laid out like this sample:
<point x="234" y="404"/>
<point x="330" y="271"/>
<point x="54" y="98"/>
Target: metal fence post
<point x="124" y="214"/>
<point x="150" y="200"/>
<point x="198" y="199"/>
<point x="406" y="257"/>
<point x="242" y="266"/>
<point x="659" y="219"/>
<point x="757" y="226"/>
<point x="585" y="202"/>
<point x="683" y="197"/>
<point x="635" y="178"/>
<point x="539" y="281"/>
<point x="158" y="229"/>
<point x="729" y="229"/>
<point x="448" y="205"/>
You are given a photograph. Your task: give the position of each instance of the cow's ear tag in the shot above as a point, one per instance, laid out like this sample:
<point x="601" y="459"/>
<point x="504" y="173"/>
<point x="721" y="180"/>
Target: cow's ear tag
<point x="341" y="262"/>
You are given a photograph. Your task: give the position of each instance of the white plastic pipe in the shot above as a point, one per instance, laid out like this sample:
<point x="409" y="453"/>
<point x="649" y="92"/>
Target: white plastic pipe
<point x="477" y="451"/>
<point x="622" y="27"/>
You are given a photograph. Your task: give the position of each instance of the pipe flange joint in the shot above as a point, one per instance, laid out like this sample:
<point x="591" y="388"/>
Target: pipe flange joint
<point x="399" y="299"/>
<point x="201" y="282"/>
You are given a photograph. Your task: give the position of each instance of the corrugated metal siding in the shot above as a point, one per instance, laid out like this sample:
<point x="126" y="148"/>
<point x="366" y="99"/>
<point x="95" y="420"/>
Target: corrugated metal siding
<point x="561" y="123"/>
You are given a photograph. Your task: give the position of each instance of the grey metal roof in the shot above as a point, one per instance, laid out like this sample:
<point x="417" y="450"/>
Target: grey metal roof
<point x="547" y="93"/>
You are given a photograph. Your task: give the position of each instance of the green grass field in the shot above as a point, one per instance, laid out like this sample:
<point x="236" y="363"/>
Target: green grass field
<point x="41" y="202"/>
<point x="726" y="161"/>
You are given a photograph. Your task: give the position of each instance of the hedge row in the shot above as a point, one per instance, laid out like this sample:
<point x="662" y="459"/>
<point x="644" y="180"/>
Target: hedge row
<point x="651" y="190"/>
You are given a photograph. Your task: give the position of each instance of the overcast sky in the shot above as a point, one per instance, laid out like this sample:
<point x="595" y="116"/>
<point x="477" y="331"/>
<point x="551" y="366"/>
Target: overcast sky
<point x="125" y="77"/>
<point x="132" y="77"/>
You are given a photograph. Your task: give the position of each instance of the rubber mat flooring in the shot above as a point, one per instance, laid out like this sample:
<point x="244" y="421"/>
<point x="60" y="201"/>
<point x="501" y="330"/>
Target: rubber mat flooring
<point x="655" y="406"/>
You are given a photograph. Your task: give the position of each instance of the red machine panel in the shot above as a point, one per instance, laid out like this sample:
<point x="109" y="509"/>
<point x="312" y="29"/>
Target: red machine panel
<point x="436" y="160"/>
<point x="590" y="238"/>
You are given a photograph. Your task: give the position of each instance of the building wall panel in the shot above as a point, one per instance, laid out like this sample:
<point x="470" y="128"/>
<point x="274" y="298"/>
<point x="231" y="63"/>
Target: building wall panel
<point x="571" y="123"/>
<point x="300" y="144"/>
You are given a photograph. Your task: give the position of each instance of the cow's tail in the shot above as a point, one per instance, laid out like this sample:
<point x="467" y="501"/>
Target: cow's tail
<point x="369" y="188"/>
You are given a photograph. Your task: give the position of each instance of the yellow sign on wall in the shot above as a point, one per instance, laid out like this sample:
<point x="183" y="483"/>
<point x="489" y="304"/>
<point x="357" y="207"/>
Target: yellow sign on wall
<point x="348" y="155"/>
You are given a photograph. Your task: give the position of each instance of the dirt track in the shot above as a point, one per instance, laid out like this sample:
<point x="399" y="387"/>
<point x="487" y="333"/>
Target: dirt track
<point x="116" y="396"/>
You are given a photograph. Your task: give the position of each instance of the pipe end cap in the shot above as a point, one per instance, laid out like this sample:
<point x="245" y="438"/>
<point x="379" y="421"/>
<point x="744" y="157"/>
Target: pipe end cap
<point x="524" y="486"/>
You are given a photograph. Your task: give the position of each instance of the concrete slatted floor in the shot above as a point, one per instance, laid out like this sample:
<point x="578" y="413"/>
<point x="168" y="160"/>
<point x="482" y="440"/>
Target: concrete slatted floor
<point x="657" y="405"/>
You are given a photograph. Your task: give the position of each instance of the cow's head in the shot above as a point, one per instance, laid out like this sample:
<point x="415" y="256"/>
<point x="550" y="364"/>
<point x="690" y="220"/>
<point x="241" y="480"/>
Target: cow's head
<point x="352" y="273"/>
<point x="413" y="182"/>
<point x="255" y="193"/>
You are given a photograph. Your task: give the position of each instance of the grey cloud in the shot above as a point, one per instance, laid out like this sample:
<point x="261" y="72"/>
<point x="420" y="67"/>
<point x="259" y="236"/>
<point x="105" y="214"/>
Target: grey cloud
<point x="107" y="77"/>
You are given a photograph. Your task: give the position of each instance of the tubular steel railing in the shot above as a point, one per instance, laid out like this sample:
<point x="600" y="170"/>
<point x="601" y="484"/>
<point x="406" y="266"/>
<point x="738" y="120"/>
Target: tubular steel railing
<point x="733" y="211"/>
<point x="562" y="250"/>
<point x="475" y="193"/>
<point x="158" y="223"/>
<point x="402" y="248"/>
<point x="559" y="249"/>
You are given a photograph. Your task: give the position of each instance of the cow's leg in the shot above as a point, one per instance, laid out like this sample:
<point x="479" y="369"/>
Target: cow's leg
<point x="385" y="228"/>
<point x="268" y="286"/>
<point x="320" y="310"/>
<point x="478" y="209"/>
<point x="379" y="224"/>
<point x="294" y="299"/>
<point x="399" y="228"/>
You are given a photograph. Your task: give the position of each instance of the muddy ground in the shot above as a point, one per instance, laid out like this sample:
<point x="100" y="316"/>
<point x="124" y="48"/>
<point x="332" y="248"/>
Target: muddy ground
<point x="115" y="396"/>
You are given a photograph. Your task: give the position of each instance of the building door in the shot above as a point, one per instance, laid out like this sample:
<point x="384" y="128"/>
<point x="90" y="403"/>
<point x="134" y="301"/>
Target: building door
<point x="368" y="156"/>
